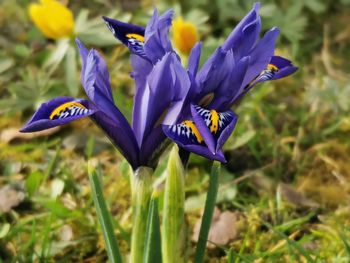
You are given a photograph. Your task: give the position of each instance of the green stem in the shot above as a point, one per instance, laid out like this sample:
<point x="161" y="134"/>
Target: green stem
<point x="104" y="217"/>
<point x="141" y="195"/>
<point x="153" y="252"/>
<point x="208" y="212"/>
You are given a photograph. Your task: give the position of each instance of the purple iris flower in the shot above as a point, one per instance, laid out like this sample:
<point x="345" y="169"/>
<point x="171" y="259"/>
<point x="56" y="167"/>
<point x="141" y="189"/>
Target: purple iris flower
<point x="241" y="62"/>
<point x="161" y="89"/>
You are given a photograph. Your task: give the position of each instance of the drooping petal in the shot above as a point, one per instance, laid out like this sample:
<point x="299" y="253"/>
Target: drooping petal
<point x="205" y="152"/>
<point x="277" y="68"/>
<point x="284" y="67"/>
<point x="57" y="112"/>
<point x="229" y="121"/>
<point x="184" y="134"/>
<point x="94" y="73"/>
<point x="246" y="31"/>
<point x="133" y="36"/>
<point x="157" y="42"/>
<point x="187" y="136"/>
<point x="205" y="134"/>
<point x="261" y="55"/>
<point x="203" y="120"/>
<point x="218" y="124"/>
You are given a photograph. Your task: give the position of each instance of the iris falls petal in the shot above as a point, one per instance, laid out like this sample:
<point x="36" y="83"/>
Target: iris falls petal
<point x="57" y="112"/>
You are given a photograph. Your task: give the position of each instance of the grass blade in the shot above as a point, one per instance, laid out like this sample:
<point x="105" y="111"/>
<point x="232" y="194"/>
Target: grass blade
<point x="104" y="217"/>
<point x="208" y="212"/>
<point x="153" y="250"/>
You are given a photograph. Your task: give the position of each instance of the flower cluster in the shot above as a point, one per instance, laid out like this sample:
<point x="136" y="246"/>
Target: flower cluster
<point x="191" y="106"/>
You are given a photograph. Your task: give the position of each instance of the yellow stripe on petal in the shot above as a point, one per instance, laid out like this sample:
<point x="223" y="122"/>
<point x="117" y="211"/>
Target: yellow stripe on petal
<point x="214" y="116"/>
<point x="137" y="37"/>
<point x="194" y="130"/>
<point x="272" y="67"/>
<point x="64" y="107"/>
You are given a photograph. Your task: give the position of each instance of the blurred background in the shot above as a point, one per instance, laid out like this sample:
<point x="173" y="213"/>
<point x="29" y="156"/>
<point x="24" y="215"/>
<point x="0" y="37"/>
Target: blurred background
<point x="285" y="191"/>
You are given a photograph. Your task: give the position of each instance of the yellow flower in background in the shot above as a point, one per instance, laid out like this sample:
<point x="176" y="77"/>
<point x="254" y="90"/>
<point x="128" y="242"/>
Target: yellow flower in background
<point x="52" y="18"/>
<point x="185" y="35"/>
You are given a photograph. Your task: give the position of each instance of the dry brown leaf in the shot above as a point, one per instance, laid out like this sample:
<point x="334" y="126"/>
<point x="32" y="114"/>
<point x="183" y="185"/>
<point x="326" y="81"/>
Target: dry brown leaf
<point x="223" y="228"/>
<point x="294" y="197"/>
<point x="9" y="198"/>
<point x="10" y="134"/>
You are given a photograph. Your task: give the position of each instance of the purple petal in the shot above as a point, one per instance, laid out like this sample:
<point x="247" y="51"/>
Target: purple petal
<point x="157" y="41"/>
<point x="57" y="112"/>
<point x="153" y="146"/>
<point x="120" y="29"/>
<point x="194" y="59"/>
<point x="181" y="89"/>
<point x="94" y="74"/>
<point x="246" y="32"/>
<point x="213" y="72"/>
<point x="261" y="55"/>
<point x="285" y="67"/>
<point x="205" y="152"/>
<point x="203" y="128"/>
<point x="165" y="90"/>
<point x="120" y="134"/>
<point x="227" y="130"/>
<point x="153" y="98"/>
<point x="230" y="86"/>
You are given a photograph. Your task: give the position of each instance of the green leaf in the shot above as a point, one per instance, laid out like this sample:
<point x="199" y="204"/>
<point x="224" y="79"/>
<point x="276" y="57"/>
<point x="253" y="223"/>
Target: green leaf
<point x="173" y="210"/>
<point x="5" y="228"/>
<point x="33" y="182"/>
<point x="153" y="250"/>
<point x="208" y="212"/>
<point x="57" y="55"/>
<point x="5" y="64"/>
<point x="104" y="217"/>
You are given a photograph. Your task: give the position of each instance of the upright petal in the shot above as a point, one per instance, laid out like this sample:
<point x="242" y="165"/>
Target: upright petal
<point x="94" y="73"/>
<point x="194" y="59"/>
<point x="230" y="87"/>
<point x="95" y="79"/>
<point x="162" y="97"/>
<point x="157" y="42"/>
<point x="246" y="32"/>
<point x="57" y="112"/>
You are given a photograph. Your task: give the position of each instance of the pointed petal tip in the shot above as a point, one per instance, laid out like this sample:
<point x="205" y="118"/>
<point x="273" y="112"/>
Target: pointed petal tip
<point x="256" y="6"/>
